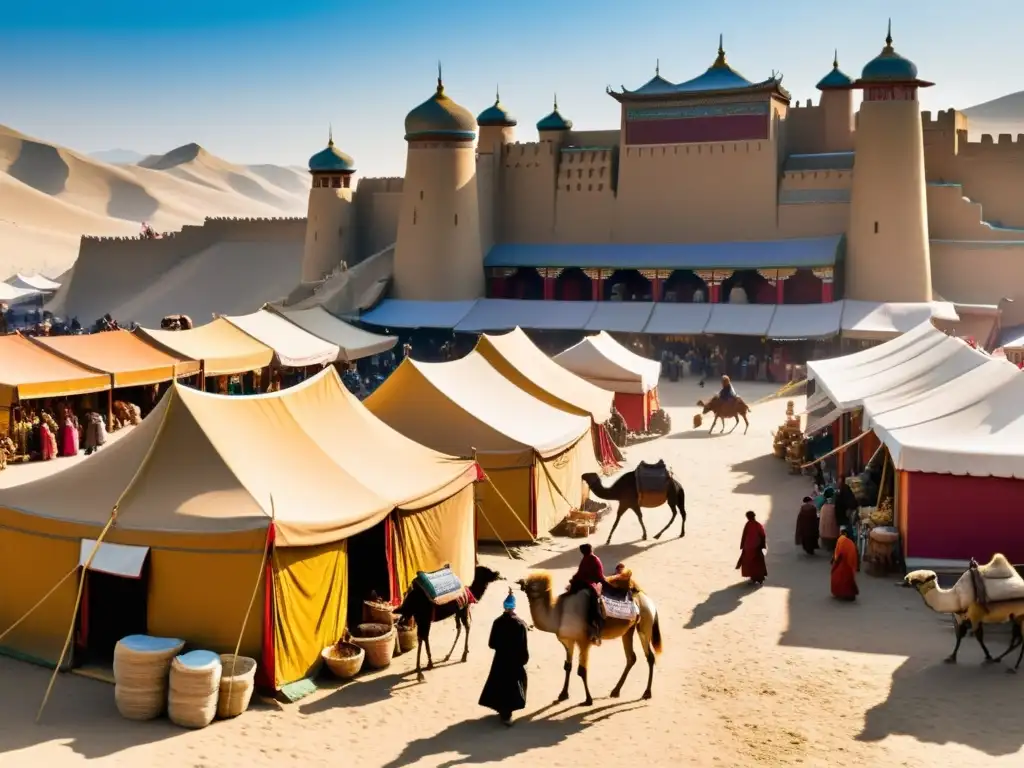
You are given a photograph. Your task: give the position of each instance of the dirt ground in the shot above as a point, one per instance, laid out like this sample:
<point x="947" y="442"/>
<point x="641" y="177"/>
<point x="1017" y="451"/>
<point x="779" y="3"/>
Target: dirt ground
<point x="777" y="676"/>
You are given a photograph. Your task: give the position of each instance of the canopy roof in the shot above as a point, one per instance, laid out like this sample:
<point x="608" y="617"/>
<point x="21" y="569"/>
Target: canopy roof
<point x="466" y="406"/>
<point x="202" y="463"/>
<point x="406" y="313"/>
<point x="682" y="319"/>
<point x="33" y="283"/>
<point x="924" y="334"/>
<point x="352" y="343"/>
<point x="126" y="357"/>
<point x="30" y="370"/>
<point x="12" y="293"/>
<point x="293" y="347"/>
<point x="805" y="321"/>
<point x="621" y="316"/>
<point x="222" y="348"/>
<point x="524" y="364"/>
<point x="602" y="361"/>
<point x="882" y="320"/>
<point x="506" y="314"/>
<point x="740" y="319"/>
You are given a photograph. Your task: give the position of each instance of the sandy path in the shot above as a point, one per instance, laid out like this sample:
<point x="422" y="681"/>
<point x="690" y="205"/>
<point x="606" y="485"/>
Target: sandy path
<point x="778" y="676"/>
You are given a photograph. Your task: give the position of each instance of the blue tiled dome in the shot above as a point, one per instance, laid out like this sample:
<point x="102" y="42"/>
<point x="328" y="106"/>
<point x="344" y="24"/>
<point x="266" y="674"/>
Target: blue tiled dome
<point x="889" y="66"/>
<point x="440" y="115"/>
<point x="836" y="78"/>
<point x="496" y="115"/>
<point x="554" y="121"/>
<point x="331" y="160"/>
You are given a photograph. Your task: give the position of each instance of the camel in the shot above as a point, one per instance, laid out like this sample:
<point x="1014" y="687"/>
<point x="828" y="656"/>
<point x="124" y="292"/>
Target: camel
<point x="625" y="491"/>
<point x="566" y="618"/>
<point x="984" y="594"/>
<point x="734" y="408"/>
<point x="418" y="605"/>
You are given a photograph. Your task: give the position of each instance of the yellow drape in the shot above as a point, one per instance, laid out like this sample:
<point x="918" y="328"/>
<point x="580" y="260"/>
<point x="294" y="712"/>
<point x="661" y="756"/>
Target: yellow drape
<point x="558" y="487"/>
<point x="310" y="603"/>
<point x="440" y="535"/>
<point x="496" y="521"/>
<point x="201" y="597"/>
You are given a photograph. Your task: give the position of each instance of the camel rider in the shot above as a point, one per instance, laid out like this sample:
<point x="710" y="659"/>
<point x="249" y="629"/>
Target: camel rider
<point x="727" y="392"/>
<point x="590" y="576"/>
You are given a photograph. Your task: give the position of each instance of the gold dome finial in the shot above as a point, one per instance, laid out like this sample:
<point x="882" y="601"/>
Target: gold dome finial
<point x="330" y="135"/>
<point x="720" y="61"/>
<point x="835" y="59"/>
<point x="556" y="102"/>
<point x="888" y="36"/>
<point x="440" y="82"/>
<point x="657" y="68"/>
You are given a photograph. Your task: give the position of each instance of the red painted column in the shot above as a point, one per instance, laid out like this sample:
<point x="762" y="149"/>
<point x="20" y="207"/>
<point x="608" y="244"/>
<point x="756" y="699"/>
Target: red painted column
<point x="780" y="291"/>
<point x="826" y="275"/>
<point x="549" y="288"/>
<point x="655" y="288"/>
<point x="497" y="287"/>
<point x="714" y="291"/>
<point x="596" y="283"/>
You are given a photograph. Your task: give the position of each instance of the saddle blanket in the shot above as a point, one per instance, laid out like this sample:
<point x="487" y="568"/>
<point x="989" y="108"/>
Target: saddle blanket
<point x="618" y="608"/>
<point x="652" y="483"/>
<point x="441" y="586"/>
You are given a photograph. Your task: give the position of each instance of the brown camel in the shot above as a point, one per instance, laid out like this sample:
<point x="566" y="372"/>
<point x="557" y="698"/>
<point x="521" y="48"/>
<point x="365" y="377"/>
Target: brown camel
<point x="567" y="619"/>
<point x="625" y="491"/>
<point x="734" y="408"/>
<point x="417" y="605"/>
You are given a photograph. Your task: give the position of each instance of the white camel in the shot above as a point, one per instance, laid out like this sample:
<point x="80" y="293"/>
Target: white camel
<point x="566" y="617"/>
<point x="984" y="594"/>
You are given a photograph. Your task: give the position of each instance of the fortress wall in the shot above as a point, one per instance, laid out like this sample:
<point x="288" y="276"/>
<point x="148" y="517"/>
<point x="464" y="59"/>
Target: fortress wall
<point x="585" y="200"/>
<point x="981" y="273"/>
<point x="609" y="138"/>
<point x="951" y="216"/>
<point x="805" y="129"/>
<point x="812" y="220"/>
<point x="378" y="204"/>
<point x="262" y="230"/>
<point x="528" y="192"/>
<point x="697" y="192"/>
<point x="486" y="179"/>
<point x="831" y="179"/>
<point x="992" y="173"/>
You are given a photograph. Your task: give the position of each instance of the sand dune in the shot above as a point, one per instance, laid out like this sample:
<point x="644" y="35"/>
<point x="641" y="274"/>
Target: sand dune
<point x="52" y="195"/>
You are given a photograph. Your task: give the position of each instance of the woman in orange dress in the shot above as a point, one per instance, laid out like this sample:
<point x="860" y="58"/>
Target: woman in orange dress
<point x="844" y="568"/>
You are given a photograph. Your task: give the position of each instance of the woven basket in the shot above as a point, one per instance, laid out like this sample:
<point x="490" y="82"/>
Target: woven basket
<point x="237" y="681"/>
<point x="378" y="640"/>
<point x="344" y="659"/>
<point x="408" y="637"/>
<point x="141" y="665"/>
<point x="378" y="613"/>
<point x="194" y="689"/>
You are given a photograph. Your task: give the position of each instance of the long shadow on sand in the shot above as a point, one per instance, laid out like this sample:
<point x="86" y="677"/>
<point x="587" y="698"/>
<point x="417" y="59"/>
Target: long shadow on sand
<point x="486" y="740"/>
<point x="719" y="603"/>
<point x="970" y="703"/>
<point x="611" y="554"/>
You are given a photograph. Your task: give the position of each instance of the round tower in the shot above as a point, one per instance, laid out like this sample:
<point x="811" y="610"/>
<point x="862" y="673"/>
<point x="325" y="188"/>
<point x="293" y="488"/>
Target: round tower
<point x="497" y="126"/>
<point x="438" y="254"/>
<point x="888" y="256"/>
<point x="330" y="222"/>
<point x="837" y="105"/>
<point x="554" y="127"/>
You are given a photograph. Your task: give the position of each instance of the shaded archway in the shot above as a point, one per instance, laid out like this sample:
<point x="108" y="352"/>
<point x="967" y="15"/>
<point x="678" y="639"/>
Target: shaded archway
<point x="683" y="286"/>
<point x="526" y="283"/>
<point x="627" y="285"/>
<point x="802" y="288"/>
<point x="573" y="285"/>
<point x="753" y="289"/>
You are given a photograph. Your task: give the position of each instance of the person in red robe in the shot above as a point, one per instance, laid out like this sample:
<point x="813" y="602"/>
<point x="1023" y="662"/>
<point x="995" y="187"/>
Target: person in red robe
<point x="807" y="526"/>
<point x="752" y="546"/>
<point x="844" y="568"/>
<point x="590" y="577"/>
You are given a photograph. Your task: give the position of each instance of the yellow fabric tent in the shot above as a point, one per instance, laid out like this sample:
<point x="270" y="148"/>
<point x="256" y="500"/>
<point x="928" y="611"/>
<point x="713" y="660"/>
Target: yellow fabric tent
<point x="533" y="453"/>
<point x="221" y="347"/>
<point x="129" y="360"/>
<point x="207" y="484"/>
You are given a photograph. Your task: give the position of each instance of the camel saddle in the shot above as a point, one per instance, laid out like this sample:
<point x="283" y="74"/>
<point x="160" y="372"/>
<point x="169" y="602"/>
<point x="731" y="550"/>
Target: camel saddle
<point x="617" y="605"/>
<point x="995" y="582"/>
<point x="441" y="586"/>
<point x="652" y="482"/>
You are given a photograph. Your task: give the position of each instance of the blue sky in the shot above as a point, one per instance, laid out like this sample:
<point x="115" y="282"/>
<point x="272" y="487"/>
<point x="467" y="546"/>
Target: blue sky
<point x="259" y="81"/>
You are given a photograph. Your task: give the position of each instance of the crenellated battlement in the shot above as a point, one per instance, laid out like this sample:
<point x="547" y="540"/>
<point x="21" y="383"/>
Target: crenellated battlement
<point x="583" y="169"/>
<point x="527" y="152"/>
<point x="377" y="184"/>
<point x="944" y="120"/>
<point x="808" y="105"/>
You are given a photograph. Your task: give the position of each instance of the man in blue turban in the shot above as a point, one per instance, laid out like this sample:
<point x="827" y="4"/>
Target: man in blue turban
<point x="505" y="689"/>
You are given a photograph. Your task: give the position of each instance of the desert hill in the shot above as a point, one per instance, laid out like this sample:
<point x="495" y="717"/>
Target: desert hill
<point x="1002" y="115"/>
<point x="118" y="156"/>
<point x="52" y="195"/>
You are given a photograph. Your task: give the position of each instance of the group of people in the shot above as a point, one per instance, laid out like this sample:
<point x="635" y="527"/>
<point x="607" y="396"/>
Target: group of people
<point x="823" y="523"/>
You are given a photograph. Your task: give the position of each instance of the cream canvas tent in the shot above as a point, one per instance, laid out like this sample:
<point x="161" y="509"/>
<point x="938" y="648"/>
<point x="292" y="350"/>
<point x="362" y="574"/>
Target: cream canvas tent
<point x="293" y="347"/>
<point x="605" y="363"/>
<point x="353" y="343"/>
<point x="220" y="347"/>
<point x="203" y="488"/>
<point x="533" y="453"/>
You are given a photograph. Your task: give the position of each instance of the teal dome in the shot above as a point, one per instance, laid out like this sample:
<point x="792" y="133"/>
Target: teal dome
<point x="836" y="78"/>
<point x="331" y="160"/>
<point x="496" y="115"/>
<point x="440" y="116"/>
<point x="554" y="121"/>
<point x="889" y="66"/>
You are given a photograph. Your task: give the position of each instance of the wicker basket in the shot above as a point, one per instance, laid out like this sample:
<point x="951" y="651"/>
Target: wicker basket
<point x="237" y="681"/>
<point x="344" y="659"/>
<point x="141" y="666"/>
<point x="194" y="689"/>
<point x="408" y="637"/>
<point x="378" y="613"/>
<point x="378" y="640"/>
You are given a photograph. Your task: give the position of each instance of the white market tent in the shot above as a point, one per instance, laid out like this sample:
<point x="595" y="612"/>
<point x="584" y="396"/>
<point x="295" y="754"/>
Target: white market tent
<point x="881" y="320"/>
<point x="508" y="314"/>
<point x="602" y="361"/>
<point x="33" y="283"/>
<point x="805" y="321"/>
<point x="11" y="294"/>
<point x="740" y="319"/>
<point x="293" y="347"/>
<point x="353" y="343"/>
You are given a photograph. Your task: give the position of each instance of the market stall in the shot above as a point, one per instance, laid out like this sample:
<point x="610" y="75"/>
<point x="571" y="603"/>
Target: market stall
<point x="353" y="343"/>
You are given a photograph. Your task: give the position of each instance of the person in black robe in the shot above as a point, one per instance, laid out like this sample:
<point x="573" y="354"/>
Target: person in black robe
<point x="505" y="689"/>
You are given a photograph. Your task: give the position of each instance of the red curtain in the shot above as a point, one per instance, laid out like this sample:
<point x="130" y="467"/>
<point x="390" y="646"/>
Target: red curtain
<point x="265" y="671"/>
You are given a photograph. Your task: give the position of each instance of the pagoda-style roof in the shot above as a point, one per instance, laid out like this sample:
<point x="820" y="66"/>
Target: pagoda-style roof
<point x="718" y="79"/>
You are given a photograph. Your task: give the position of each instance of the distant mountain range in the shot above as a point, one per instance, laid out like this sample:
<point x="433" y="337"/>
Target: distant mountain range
<point x="1002" y="115"/>
<point x="53" y="195"/>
